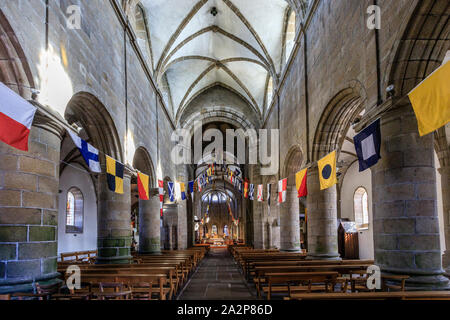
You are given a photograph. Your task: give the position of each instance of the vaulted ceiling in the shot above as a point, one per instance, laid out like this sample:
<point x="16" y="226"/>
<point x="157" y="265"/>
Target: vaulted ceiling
<point x="239" y="47"/>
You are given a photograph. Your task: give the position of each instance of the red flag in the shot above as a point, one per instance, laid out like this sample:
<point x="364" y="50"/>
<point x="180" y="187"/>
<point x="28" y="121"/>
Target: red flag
<point x="143" y="186"/>
<point x="282" y="190"/>
<point x="300" y="183"/>
<point x="16" y="118"/>
<point x="161" y="195"/>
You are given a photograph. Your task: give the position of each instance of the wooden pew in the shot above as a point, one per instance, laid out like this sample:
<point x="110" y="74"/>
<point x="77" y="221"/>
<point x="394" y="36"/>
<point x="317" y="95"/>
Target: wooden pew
<point x="261" y="271"/>
<point x="79" y="256"/>
<point x="286" y="279"/>
<point x="401" y="295"/>
<point x="269" y="263"/>
<point x="159" y="279"/>
<point x="168" y="271"/>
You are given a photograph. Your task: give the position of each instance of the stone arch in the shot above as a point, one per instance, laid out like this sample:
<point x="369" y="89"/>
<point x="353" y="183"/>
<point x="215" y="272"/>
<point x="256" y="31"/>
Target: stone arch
<point x="15" y="71"/>
<point x="422" y="47"/>
<point x="336" y="120"/>
<point x="87" y="112"/>
<point x="293" y="163"/>
<point x="142" y="161"/>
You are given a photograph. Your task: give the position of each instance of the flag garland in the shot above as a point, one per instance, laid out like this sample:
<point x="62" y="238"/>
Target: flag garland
<point x="368" y="145"/>
<point x="161" y="195"/>
<point x="282" y="190"/>
<point x="431" y="100"/>
<point x="251" y="191"/>
<point x="327" y="171"/>
<point x="16" y="118"/>
<point x="88" y="152"/>
<point x="114" y="175"/>
<point x="300" y="183"/>
<point x="143" y="186"/>
<point x="260" y="193"/>
<point x="171" y="189"/>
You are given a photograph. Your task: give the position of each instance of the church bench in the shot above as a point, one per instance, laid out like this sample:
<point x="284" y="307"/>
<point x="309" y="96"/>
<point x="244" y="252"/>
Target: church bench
<point x="328" y="278"/>
<point x="247" y="259"/>
<point x="168" y="271"/>
<point x="187" y="263"/>
<point x="159" y="280"/>
<point x="400" y="295"/>
<point x="385" y="278"/>
<point x="260" y="272"/>
<point x="176" y="265"/>
<point x="87" y="256"/>
<point x="288" y="263"/>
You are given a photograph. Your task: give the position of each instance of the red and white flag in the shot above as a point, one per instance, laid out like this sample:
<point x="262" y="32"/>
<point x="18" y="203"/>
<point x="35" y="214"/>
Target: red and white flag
<point x="282" y="190"/>
<point x="161" y="195"/>
<point x="260" y="193"/>
<point x="16" y="118"/>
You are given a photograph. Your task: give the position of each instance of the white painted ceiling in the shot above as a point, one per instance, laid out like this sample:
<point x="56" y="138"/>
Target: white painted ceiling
<point x="238" y="48"/>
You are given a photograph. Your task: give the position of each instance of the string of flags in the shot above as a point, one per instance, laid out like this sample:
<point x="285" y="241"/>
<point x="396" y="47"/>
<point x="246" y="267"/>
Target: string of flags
<point x="430" y="101"/>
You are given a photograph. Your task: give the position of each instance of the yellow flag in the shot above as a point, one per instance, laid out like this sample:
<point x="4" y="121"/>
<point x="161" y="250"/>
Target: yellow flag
<point x="431" y="100"/>
<point x="327" y="171"/>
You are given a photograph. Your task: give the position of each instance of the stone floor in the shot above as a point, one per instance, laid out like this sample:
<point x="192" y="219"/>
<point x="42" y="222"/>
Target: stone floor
<point x="217" y="278"/>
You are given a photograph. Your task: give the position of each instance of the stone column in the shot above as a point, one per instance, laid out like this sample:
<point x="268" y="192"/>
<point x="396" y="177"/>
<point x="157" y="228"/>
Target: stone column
<point x="258" y="224"/>
<point x="149" y="224"/>
<point x="169" y="228"/>
<point x="289" y="222"/>
<point x="406" y="226"/>
<point x="322" y="219"/>
<point x="274" y="220"/>
<point x="445" y="186"/>
<point x="170" y="220"/>
<point x="182" y="223"/>
<point x="114" y="227"/>
<point x="269" y="235"/>
<point x="29" y="184"/>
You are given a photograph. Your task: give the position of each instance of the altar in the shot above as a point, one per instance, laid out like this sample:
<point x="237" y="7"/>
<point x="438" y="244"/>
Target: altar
<point x="216" y="241"/>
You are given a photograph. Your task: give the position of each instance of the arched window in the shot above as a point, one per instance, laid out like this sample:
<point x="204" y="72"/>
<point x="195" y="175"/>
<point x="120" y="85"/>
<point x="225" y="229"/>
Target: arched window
<point x="269" y="93"/>
<point x="361" y="208"/>
<point x="142" y="33"/>
<point x="225" y="231"/>
<point x="74" y="211"/>
<point x="290" y="35"/>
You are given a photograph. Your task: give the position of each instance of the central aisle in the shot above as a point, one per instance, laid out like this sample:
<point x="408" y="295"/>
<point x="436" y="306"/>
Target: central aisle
<point x="217" y="278"/>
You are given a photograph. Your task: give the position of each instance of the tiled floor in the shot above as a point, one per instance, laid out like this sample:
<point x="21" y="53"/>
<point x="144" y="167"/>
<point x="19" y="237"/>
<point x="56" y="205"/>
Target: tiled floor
<point x="217" y="278"/>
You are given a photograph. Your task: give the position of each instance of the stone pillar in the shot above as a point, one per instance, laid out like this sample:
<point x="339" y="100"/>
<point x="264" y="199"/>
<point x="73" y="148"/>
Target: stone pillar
<point x="149" y="224"/>
<point x="322" y="219"/>
<point x="29" y="184"/>
<point x="169" y="228"/>
<point x="289" y="222"/>
<point x="445" y="186"/>
<point x="269" y="235"/>
<point x="406" y="226"/>
<point x="258" y="224"/>
<point x="114" y="227"/>
<point x="182" y="223"/>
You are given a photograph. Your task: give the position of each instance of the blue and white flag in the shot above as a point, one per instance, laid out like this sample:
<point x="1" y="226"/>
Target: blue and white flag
<point x="368" y="145"/>
<point x="251" y="192"/>
<point x="171" y="187"/>
<point x="89" y="153"/>
<point x="191" y="188"/>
